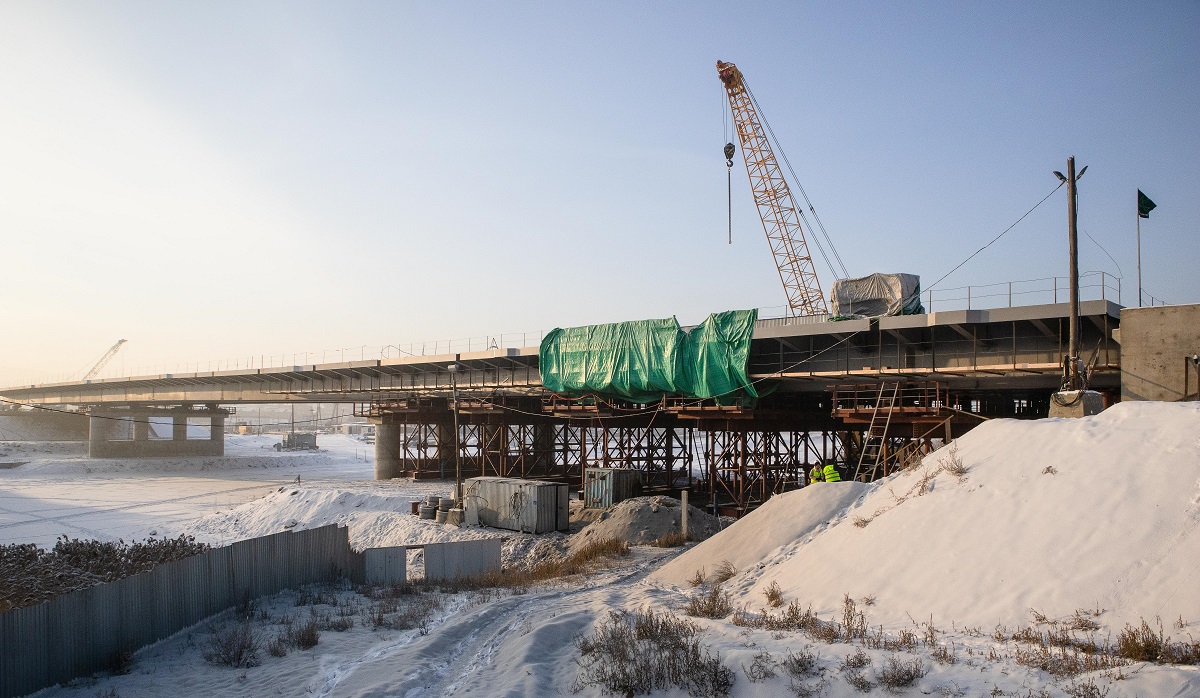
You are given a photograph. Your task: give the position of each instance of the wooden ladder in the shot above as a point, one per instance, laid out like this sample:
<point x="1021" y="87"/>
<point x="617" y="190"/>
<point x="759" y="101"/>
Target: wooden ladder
<point x="876" y="436"/>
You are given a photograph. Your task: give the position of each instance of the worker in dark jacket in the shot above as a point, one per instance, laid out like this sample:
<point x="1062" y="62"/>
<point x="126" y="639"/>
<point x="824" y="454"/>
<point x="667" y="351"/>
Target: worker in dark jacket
<point x="831" y="473"/>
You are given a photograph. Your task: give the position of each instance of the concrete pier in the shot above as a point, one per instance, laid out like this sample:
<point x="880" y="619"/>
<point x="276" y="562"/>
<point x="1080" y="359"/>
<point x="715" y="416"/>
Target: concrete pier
<point x="388" y="439"/>
<point x="142" y="432"/>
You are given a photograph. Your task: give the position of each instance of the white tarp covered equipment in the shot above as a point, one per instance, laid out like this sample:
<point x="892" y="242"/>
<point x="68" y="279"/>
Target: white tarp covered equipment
<point x="877" y="294"/>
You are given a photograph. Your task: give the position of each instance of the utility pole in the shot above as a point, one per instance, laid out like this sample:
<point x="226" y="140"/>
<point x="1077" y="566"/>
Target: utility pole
<point x="458" y="488"/>
<point x="1073" y="231"/>
<point x="1071" y="378"/>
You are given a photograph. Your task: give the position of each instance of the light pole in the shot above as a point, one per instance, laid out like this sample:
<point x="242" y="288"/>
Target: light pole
<point x="1071" y="378"/>
<point x="458" y="491"/>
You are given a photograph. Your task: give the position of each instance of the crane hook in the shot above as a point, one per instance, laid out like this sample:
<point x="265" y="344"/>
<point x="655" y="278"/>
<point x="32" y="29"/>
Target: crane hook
<point x="729" y="150"/>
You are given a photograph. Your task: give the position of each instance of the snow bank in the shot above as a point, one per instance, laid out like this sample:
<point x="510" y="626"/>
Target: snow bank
<point x="781" y="521"/>
<point x="1099" y="513"/>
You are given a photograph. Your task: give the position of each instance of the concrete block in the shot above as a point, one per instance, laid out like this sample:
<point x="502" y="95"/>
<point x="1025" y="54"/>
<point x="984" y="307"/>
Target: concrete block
<point x="461" y="559"/>
<point x="386" y="565"/>
<point x="1156" y="343"/>
<point x="1075" y="403"/>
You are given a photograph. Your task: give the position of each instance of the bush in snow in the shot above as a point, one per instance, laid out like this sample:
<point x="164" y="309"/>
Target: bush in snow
<point x="234" y="646"/>
<point x="642" y="652"/>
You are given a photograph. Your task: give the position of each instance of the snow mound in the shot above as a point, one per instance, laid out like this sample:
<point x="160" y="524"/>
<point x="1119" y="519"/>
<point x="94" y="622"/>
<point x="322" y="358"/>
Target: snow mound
<point x="1100" y="514"/>
<point x="375" y="519"/>
<point x="642" y="520"/>
<point x="782" y="520"/>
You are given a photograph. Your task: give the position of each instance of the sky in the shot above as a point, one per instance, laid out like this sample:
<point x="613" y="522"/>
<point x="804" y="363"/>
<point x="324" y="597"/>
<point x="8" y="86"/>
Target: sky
<point x="215" y="181"/>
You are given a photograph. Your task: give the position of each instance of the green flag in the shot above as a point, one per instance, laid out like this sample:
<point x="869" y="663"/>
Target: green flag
<point x="1145" y="205"/>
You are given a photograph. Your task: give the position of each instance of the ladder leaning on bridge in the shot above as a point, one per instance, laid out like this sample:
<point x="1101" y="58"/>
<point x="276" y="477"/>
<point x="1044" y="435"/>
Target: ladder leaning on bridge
<point x="875" y="440"/>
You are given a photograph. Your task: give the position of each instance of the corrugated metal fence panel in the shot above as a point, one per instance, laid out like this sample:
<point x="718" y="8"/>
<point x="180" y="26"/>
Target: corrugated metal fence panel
<point x="104" y="623"/>
<point x="82" y="632"/>
<point x="24" y="666"/>
<point x="64" y="643"/>
<point x="604" y="487"/>
<point x="137" y="597"/>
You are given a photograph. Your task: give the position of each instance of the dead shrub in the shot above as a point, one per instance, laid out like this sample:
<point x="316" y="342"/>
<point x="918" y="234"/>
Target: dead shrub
<point x="858" y="660"/>
<point x="696" y="579"/>
<point x="854" y="622"/>
<point x="801" y="664"/>
<point x="724" y="572"/>
<point x="774" y="595"/>
<point x="1085" y="689"/>
<point x="1049" y="470"/>
<point x="717" y="603"/>
<point x="953" y="463"/>
<point x="859" y="682"/>
<point x="307" y="636"/>
<point x="761" y="668"/>
<point x="898" y="673"/>
<point x="641" y="652"/>
<point x="860" y="522"/>
<point x="33" y="575"/>
<point x="234" y="646"/>
<point x="944" y="654"/>
<point x="670" y="540"/>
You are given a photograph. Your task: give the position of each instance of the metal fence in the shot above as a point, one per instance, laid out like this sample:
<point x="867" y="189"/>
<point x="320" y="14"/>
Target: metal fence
<point x="86" y="631"/>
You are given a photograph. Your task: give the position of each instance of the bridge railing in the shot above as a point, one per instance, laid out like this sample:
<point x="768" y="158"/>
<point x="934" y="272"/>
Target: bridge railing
<point x="1096" y="285"/>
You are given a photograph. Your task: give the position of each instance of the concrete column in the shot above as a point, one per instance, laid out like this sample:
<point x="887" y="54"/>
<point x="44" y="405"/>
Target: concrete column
<point x="99" y="429"/>
<point x="217" y="435"/>
<point x="388" y="438"/>
<point x="179" y="427"/>
<point x="141" y="426"/>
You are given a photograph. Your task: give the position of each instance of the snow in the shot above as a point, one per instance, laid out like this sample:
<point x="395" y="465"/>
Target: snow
<point x="1055" y="515"/>
<point x="1097" y="514"/>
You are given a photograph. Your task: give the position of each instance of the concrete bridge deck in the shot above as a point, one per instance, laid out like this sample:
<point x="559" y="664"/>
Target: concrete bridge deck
<point x="1001" y="349"/>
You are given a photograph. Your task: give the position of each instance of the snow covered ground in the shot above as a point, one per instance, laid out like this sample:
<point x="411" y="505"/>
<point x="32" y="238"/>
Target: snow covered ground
<point x="1097" y="517"/>
<point x="60" y="491"/>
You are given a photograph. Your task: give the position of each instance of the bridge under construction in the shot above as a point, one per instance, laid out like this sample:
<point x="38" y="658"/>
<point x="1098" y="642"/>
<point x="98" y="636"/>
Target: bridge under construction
<point x="869" y="394"/>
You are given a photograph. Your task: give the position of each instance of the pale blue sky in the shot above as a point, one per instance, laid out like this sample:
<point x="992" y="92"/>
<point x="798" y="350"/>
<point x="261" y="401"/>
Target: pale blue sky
<point x="221" y="179"/>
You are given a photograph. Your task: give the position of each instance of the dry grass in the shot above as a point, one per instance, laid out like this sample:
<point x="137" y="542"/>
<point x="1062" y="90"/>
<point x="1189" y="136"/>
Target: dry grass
<point x="953" y="463"/>
<point x="761" y="668"/>
<point x="589" y="558"/>
<point x="774" y="595"/>
<point x="717" y="603"/>
<point x="234" y="646"/>
<point x="1143" y="644"/>
<point x="858" y="660"/>
<point x="670" y="540"/>
<point x="899" y="674"/>
<point x="724" y="572"/>
<point x="643" y="652"/>
<point x="696" y="579"/>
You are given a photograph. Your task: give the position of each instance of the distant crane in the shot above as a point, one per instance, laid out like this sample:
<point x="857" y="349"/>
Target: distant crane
<point x="112" y="351"/>
<point x="779" y="214"/>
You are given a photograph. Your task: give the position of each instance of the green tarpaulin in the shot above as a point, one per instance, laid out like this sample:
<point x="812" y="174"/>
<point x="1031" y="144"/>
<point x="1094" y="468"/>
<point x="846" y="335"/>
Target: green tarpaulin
<point x="645" y="360"/>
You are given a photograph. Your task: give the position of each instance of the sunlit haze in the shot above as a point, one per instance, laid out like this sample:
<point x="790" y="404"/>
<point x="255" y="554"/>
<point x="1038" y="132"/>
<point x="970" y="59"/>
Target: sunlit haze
<point x="215" y="181"/>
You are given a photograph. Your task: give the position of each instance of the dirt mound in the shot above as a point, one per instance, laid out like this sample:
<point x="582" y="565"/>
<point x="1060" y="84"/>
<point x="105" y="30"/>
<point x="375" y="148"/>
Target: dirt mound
<point x="642" y="520"/>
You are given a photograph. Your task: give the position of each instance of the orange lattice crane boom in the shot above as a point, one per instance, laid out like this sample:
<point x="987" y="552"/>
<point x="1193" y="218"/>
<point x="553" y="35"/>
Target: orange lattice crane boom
<point x="778" y="212"/>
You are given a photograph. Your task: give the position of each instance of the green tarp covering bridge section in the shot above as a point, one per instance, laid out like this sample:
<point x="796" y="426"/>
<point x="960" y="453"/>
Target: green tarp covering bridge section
<point x="646" y="360"/>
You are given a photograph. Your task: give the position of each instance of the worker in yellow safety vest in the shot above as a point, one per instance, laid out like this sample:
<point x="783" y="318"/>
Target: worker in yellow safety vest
<point x="831" y="474"/>
<point x="817" y="474"/>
